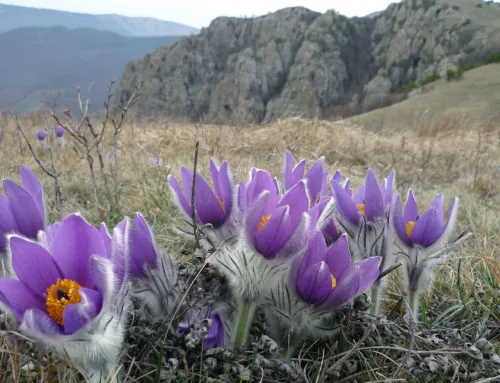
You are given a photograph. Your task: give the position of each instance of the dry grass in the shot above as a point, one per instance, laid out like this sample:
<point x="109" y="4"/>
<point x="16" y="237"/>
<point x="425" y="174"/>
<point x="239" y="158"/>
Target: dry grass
<point x="471" y="101"/>
<point x="437" y="157"/>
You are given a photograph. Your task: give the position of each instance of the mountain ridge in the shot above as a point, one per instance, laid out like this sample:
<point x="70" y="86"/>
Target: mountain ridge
<point x="299" y="62"/>
<point x="13" y="17"/>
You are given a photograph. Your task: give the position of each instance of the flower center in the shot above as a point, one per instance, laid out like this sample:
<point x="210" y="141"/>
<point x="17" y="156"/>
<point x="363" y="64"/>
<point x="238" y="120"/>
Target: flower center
<point x="221" y="203"/>
<point x="59" y="295"/>
<point x="263" y="221"/>
<point x="409" y="228"/>
<point x="334" y="281"/>
<point x="361" y="208"/>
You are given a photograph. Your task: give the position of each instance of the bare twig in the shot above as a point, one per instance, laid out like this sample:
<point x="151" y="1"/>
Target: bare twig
<point x="193" y="192"/>
<point x="52" y="174"/>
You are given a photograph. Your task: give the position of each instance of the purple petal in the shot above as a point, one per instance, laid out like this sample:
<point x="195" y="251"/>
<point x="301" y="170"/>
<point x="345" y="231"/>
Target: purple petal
<point x="120" y="249"/>
<point x="298" y="201"/>
<point x="359" y="197"/>
<point x="270" y="239"/>
<point x="213" y="337"/>
<point x="226" y="188"/>
<point x="215" y="177"/>
<point x="298" y="172"/>
<point x="427" y="229"/>
<point x="345" y="205"/>
<point x="297" y="241"/>
<point x="106" y="239"/>
<point x="315" y="254"/>
<point x="388" y="187"/>
<point x="287" y="170"/>
<point x="255" y="214"/>
<point x="181" y="200"/>
<point x="7" y="222"/>
<point x="37" y="324"/>
<point x="260" y="182"/>
<point x="242" y="197"/>
<point x="411" y="208"/>
<point x="338" y="257"/>
<point x="316" y="284"/>
<point x="207" y="206"/>
<point x="18" y="298"/>
<point x="346" y="289"/>
<point x="399" y="222"/>
<point x="28" y="218"/>
<point x="74" y="243"/>
<point x="374" y="199"/>
<point x="368" y="272"/>
<point x="78" y="315"/>
<point x="103" y="276"/>
<point x="337" y="177"/>
<point x="324" y="183"/>
<point x="187" y="183"/>
<point x="33" y="186"/>
<point x="438" y="204"/>
<point x="314" y="179"/>
<point x="452" y="212"/>
<point x="33" y="265"/>
<point x="142" y="249"/>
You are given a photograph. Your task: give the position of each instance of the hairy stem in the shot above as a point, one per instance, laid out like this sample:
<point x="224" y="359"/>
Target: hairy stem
<point x="413" y="305"/>
<point x="245" y="316"/>
<point x="374" y="295"/>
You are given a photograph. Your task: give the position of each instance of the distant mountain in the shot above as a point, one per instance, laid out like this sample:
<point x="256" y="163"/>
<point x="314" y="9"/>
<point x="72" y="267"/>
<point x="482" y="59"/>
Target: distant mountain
<point x="13" y="17"/>
<point x="46" y="60"/>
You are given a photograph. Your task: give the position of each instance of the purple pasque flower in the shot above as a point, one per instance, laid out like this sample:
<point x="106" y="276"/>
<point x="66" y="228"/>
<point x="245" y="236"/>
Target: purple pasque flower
<point x="154" y="273"/>
<point x="214" y="336"/>
<point x="212" y="206"/>
<point x="277" y="228"/>
<point x="40" y="134"/>
<point x="143" y="251"/>
<point x="66" y="281"/>
<point x="322" y="218"/>
<point x="371" y="200"/>
<point x="317" y="178"/>
<point x="325" y="277"/>
<point x="424" y="230"/>
<point x="59" y="131"/>
<point x="22" y="210"/>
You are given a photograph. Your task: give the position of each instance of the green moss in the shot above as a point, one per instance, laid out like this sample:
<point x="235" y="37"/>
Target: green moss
<point x="431" y="78"/>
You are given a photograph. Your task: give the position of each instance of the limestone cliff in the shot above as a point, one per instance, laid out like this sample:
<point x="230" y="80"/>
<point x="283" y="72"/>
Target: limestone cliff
<point x="299" y="62"/>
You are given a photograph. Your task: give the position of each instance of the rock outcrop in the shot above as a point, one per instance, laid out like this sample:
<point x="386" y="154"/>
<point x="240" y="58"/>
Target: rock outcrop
<point x="299" y="62"/>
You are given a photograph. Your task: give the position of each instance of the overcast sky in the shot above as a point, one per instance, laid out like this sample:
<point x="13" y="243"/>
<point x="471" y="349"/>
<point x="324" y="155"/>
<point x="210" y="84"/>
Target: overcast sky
<point x="199" y="13"/>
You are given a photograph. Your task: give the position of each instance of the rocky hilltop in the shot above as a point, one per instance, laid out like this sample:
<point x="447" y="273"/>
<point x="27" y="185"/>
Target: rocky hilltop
<point x="299" y="62"/>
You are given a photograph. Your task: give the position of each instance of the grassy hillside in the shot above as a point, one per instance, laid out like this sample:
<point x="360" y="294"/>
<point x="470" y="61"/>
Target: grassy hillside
<point x="468" y="103"/>
<point x="457" y="162"/>
<point x="38" y="60"/>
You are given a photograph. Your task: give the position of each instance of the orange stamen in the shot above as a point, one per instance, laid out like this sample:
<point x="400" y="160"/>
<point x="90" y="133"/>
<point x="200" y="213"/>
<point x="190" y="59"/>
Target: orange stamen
<point x="59" y="295"/>
<point x="263" y="221"/>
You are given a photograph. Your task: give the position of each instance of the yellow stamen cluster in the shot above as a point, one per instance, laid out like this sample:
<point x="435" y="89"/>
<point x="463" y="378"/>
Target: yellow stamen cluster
<point x="263" y="221"/>
<point x="59" y="295"/>
<point x="221" y="203"/>
<point x="361" y="208"/>
<point x="409" y="227"/>
<point x="334" y="281"/>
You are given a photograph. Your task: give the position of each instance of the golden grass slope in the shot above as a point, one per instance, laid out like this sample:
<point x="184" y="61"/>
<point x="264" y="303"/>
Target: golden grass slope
<point x="470" y="102"/>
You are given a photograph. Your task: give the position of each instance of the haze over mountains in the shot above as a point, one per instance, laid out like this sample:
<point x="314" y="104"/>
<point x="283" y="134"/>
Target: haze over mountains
<point x="12" y="17"/>
<point x="46" y="52"/>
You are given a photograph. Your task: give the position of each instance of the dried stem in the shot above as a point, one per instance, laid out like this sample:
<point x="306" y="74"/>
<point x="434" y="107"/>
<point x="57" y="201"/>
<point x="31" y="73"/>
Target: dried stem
<point x="193" y="191"/>
<point x="53" y="174"/>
